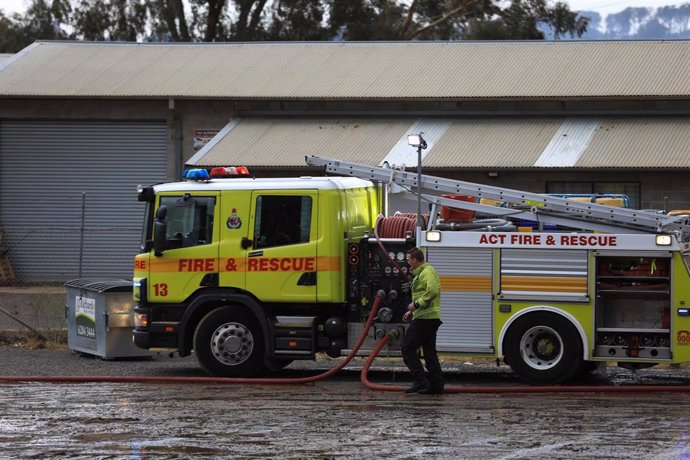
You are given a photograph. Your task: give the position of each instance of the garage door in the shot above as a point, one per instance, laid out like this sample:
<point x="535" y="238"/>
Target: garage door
<point x="53" y="172"/>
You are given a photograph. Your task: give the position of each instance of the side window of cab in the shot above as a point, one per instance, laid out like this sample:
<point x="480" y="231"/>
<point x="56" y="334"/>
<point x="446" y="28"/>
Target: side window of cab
<point x="189" y="220"/>
<point x="282" y="220"/>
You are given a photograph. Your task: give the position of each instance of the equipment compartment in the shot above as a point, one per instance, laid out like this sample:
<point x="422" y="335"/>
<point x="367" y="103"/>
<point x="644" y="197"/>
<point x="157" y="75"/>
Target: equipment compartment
<point x="633" y="299"/>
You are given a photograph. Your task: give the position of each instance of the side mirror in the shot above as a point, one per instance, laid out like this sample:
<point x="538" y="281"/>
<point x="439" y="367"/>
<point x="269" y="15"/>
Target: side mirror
<point x="162" y="213"/>
<point x="160" y="231"/>
<point x="160" y="244"/>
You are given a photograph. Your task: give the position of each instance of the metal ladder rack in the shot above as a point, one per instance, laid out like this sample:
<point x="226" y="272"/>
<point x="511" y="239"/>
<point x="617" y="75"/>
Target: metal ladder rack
<point x="537" y="207"/>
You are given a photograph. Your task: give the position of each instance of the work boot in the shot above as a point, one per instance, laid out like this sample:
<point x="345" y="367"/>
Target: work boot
<point x="431" y="390"/>
<point x="417" y="388"/>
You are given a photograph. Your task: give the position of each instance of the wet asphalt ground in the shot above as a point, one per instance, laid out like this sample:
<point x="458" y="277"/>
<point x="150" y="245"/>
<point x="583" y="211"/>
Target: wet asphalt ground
<point x="336" y="418"/>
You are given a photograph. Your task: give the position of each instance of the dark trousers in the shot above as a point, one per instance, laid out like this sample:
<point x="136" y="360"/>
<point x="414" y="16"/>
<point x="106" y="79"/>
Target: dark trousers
<point x="422" y="333"/>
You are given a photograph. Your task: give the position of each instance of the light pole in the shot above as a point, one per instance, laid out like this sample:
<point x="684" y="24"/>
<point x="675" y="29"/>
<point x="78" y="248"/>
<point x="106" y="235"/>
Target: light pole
<point x="416" y="140"/>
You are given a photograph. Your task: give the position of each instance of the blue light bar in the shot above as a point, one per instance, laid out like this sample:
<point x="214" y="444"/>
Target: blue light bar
<point x="196" y="174"/>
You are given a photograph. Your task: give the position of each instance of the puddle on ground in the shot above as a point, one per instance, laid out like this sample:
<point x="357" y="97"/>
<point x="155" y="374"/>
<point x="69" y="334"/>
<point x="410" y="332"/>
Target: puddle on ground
<point x="332" y="419"/>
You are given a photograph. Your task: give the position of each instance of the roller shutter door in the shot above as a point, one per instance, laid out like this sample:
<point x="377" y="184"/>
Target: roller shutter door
<point x="466" y="298"/>
<point x="46" y="166"/>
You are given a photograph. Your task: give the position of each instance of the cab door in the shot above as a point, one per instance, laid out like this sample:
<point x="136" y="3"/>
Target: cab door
<point x="191" y="258"/>
<point x="281" y="261"/>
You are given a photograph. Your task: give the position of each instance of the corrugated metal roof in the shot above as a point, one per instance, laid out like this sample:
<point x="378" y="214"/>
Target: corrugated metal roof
<point x="285" y="142"/>
<point x="569" y="143"/>
<point x="352" y="70"/>
<point x="479" y="142"/>
<point x="640" y="143"/>
<point x="464" y="143"/>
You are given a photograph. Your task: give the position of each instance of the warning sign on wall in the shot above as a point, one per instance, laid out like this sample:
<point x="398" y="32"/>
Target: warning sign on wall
<point x="203" y="136"/>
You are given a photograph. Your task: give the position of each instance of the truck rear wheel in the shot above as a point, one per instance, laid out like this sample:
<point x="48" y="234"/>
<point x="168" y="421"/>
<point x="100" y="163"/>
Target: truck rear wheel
<point x="228" y="342"/>
<point x="543" y="348"/>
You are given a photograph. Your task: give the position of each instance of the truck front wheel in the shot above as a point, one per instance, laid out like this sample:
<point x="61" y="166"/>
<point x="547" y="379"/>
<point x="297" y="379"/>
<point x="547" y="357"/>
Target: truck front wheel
<point x="228" y="342"/>
<point x="543" y="348"/>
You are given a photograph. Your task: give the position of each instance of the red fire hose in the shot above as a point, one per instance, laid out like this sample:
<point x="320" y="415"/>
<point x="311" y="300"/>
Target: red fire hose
<point x="163" y="379"/>
<point x="518" y="389"/>
<point x="364" y="379"/>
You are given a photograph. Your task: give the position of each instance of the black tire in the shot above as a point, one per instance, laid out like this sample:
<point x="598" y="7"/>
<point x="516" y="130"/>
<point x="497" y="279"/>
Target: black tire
<point x="587" y="368"/>
<point x="276" y="364"/>
<point x="543" y="348"/>
<point x="228" y="342"/>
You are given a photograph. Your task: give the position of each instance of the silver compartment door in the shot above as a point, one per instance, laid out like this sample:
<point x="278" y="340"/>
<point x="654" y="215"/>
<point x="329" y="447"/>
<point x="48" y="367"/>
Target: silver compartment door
<point x="466" y="300"/>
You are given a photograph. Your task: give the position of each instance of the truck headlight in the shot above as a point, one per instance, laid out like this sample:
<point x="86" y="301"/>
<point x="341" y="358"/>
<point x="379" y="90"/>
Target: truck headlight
<point x="141" y="320"/>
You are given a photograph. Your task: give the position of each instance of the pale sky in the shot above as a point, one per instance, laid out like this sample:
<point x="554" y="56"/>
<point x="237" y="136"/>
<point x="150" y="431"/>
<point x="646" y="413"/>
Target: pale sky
<point x="601" y="6"/>
<point x="612" y="6"/>
<point x="12" y="6"/>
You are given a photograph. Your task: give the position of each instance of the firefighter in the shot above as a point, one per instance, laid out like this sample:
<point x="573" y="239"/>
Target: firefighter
<point x="425" y="311"/>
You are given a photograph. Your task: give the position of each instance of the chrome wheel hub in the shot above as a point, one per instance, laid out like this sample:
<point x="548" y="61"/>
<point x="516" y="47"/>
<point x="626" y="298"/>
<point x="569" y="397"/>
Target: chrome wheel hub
<point x="541" y="347"/>
<point x="232" y="343"/>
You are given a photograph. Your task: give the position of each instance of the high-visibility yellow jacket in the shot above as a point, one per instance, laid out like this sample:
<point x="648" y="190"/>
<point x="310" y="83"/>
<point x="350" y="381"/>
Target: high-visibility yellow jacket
<point x="426" y="293"/>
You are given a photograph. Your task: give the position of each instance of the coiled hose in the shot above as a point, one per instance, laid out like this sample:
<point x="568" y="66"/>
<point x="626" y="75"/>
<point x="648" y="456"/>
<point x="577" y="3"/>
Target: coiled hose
<point x="396" y="226"/>
<point x="402" y="225"/>
<point x="381" y="220"/>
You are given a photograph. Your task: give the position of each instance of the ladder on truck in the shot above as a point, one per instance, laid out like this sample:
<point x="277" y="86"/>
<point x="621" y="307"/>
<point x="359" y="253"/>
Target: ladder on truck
<point x="531" y="206"/>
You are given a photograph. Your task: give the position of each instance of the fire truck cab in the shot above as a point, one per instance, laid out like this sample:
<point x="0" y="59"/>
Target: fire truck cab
<point x="266" y="255"/>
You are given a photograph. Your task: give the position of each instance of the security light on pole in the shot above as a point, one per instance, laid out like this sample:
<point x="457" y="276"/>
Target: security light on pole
<point x="416" y="140"/>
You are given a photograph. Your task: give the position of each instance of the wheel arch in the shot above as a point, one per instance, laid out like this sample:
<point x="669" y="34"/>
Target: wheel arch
<point x="544" y="308"/>
<point x="208" y="300"/>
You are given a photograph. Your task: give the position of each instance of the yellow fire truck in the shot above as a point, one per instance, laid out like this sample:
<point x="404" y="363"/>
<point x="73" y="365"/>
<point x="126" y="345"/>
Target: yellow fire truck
<point x="254" y="273"/>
